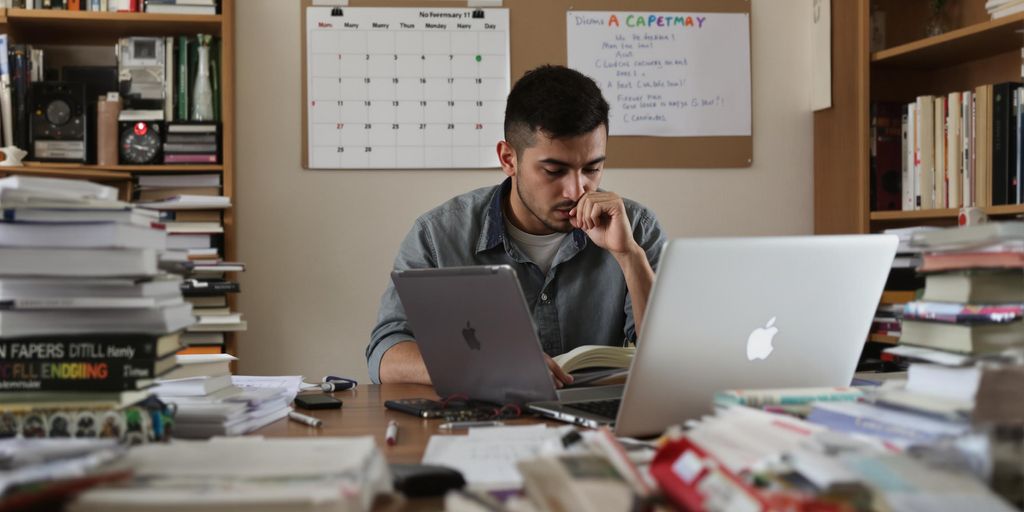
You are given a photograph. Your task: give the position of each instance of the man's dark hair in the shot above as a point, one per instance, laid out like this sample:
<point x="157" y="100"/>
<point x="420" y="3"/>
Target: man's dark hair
<point x="556" y="100"/>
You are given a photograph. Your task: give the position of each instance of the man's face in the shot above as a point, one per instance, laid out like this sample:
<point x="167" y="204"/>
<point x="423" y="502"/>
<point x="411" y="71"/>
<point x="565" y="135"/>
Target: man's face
<point x="549" y="177"/>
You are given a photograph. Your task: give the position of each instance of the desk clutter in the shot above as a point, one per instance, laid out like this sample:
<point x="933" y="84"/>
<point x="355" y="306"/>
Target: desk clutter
<point x="946" y="433"/>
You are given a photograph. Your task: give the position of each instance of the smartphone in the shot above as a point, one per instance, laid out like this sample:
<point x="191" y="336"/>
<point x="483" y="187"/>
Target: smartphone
<point x="422" y="407"/>
<point x="314" y="401"/>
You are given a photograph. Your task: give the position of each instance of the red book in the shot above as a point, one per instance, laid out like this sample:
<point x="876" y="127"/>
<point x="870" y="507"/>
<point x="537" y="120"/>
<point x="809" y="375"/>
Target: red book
<point x="941" y="262"/>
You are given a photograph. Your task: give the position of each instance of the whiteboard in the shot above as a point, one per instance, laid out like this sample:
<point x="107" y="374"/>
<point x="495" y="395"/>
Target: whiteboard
<point x="667" y="74"/>
<point x="412" y="88"/>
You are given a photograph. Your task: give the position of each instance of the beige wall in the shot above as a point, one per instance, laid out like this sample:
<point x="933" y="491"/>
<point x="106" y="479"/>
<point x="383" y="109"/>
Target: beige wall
<point x="319" y="244"/>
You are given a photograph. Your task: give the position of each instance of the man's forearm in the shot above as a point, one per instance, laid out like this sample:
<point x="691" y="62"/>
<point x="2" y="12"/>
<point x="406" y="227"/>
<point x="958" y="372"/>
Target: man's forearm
<point x="403" y="363"/>
<point x="639" y="280"/>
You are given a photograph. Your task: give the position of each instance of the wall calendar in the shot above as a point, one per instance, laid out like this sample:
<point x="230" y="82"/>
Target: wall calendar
<point x="405" y="88"/>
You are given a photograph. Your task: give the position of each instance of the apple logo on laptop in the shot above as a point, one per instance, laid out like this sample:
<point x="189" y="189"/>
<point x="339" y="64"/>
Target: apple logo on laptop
<point x="469" y="334"/>
<point x="759" y="343"/>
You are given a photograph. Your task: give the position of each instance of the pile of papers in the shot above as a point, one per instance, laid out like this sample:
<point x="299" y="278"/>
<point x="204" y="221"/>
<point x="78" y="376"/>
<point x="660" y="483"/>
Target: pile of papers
<point x="249" y="473"/>
<point x="217" y="404"/>
<point x="751" y="456"/>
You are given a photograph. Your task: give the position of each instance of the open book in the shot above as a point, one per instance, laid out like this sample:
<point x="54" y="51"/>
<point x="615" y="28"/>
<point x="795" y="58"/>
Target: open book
<point x="595" y="356"/>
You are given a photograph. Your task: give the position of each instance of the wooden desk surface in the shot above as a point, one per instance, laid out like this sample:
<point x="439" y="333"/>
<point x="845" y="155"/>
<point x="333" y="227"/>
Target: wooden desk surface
<point x="363" y="413"/>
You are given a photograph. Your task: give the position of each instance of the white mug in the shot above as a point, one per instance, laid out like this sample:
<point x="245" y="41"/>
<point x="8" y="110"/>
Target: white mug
<point x="971" y="216"/>
<point x="12" y="156"/>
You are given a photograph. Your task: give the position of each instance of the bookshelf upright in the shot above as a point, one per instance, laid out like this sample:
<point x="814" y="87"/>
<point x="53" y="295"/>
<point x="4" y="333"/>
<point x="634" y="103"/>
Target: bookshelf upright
<point x="47" y="27"/>
<point x="975" y="50"/>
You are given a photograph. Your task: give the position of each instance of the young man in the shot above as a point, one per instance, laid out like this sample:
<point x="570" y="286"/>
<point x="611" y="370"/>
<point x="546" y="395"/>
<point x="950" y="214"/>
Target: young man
<point x="585" y="257"/>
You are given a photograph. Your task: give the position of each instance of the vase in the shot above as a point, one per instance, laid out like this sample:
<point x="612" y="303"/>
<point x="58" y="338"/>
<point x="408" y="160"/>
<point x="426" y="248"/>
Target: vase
<point x="202" y="91"/>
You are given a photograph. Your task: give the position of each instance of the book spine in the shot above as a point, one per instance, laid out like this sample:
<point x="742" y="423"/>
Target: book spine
<point x="179" y="147"/>
<point x="215" y="76"/>
<point x="946" y="312"/>
<point x="68" y="375"/>
<point x="20" y="86"/>
<point x="851" y="423"/>
<point x="1001" y="137"/>
<point x="755" y="398"/>
<point x="182" y="71"/>
<point x="81" y="348"/>
<point x="134" y="425"/>
<point x="187" y="138"/>
<point x="189" y="158"/>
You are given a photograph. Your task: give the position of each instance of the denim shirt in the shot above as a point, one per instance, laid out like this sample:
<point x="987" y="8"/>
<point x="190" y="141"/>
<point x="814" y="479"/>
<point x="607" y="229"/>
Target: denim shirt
<point x="582" y="300"/>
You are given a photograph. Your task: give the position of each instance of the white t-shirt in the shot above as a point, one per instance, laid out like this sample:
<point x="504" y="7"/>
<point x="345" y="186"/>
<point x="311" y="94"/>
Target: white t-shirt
<point x="541" y="249"/>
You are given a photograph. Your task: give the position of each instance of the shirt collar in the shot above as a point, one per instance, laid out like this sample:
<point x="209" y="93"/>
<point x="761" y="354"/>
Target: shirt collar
<point x="493" y="232"/>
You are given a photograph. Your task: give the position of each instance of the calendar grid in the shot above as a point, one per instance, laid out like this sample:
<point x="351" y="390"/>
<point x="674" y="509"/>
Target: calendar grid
<point x="406" y="98"/>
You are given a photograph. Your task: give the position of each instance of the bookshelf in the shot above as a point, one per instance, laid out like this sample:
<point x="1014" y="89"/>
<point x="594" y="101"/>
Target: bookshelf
<point x="974" y="51"/>
<point x="74" y="28"/>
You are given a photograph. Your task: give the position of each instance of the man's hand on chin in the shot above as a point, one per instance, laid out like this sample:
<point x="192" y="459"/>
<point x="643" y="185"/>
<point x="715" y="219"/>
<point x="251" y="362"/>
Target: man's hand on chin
<point x="602" y="216"/>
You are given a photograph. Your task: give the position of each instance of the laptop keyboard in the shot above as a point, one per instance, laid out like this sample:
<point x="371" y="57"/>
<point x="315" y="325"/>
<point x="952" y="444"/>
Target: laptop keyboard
<point x="607" y="408"/>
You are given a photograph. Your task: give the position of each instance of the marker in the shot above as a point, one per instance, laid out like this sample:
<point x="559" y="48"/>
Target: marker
<point x="468" y="424"/>
<point x="302" y="418"/>
<point x="391" y="434"/>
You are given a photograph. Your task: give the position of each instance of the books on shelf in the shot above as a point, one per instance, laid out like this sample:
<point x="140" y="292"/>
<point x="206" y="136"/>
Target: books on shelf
<point x="958" y="149"/>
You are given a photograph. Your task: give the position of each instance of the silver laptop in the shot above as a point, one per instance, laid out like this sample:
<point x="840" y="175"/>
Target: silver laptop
<point x="724" y="313"/>
<point x="476" y="334"/>
<point x="729" y="313"/>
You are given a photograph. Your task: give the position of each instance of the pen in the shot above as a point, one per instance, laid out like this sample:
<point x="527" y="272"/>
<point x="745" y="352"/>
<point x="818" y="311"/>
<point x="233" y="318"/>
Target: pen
<point x="467" y="424"/>
<point x="302" y="418"/>
<point x="391" y="434"/>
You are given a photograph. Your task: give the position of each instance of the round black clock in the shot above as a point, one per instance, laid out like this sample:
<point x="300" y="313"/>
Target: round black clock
<point x="140" y="143"/>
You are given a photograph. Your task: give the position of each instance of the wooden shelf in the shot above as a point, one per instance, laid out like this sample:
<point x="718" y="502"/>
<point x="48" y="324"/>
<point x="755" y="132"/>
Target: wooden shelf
<point x="65" y="27"/>
<point x="977" y="41"/>
<point x="68" y="172"/>
<point x="944" y="213"/>
<point x="73" y="167"/>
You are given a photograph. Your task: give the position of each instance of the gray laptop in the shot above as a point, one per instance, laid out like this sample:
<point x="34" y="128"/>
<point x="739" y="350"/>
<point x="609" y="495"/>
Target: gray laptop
<point x="724" y="313"/>
<point x="476" y="334"/>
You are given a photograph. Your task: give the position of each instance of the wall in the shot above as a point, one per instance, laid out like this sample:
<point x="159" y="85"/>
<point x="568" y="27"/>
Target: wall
<point x="319" y="244"/>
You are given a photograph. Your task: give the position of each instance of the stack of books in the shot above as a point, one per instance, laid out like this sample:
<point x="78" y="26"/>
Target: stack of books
<point x="191" y="143"/>
<point x="154" y="6"/>
<point x="208" y="404"/>
<point x="326" y="473"/>
<point x="974" y="290"/>
<point x="88" y="319"/>
<point x="964" y="343"/>
<point x="191" y="208"/>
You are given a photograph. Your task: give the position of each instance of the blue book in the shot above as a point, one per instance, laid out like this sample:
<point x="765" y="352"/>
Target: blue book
<point x="889" y="424"/>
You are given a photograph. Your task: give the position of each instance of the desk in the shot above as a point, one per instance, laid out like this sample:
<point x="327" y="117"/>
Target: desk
<point x="363" y="413"/>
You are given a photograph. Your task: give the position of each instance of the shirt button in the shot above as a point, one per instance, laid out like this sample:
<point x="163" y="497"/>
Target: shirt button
<point x="544" y="297"/>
